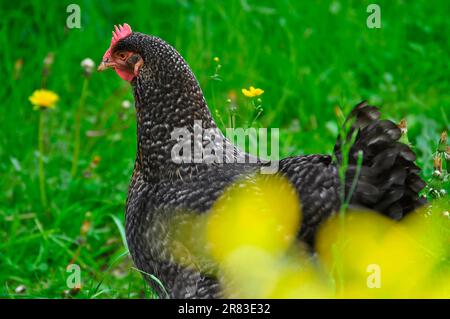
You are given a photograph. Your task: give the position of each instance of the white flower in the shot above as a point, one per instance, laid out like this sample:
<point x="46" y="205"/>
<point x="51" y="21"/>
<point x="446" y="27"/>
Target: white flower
<point x="437" y="173"/>
<point x="20" y="289"/>
<point x="88" y="65"/>
<point x="49" y="58"/>
<point x="335" y="7"/>
<point x="126" y="104"/>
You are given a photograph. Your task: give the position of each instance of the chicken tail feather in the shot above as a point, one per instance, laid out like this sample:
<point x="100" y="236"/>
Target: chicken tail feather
<point x="387" y="179"/>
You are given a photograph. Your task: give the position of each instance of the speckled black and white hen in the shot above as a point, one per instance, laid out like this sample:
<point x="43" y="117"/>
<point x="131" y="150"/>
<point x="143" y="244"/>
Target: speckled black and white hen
<point x="167" y="96"/>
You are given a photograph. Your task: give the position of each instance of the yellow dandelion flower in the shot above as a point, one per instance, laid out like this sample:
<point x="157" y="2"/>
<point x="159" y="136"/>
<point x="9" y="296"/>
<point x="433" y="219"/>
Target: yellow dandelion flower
<point x="254" y="209"/>
<point x="96" y="160"/>
<point x="216" y="59"/>
<point x="252" y="92"/>
<point x="44" y="99"/>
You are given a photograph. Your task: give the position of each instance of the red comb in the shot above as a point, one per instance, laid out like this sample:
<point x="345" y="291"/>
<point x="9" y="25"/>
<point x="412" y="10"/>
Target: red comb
<point x="118" y="34"/>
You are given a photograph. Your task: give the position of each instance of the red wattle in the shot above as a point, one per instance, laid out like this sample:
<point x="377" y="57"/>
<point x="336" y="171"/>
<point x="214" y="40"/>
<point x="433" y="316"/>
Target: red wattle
<point x="127" y="76"/>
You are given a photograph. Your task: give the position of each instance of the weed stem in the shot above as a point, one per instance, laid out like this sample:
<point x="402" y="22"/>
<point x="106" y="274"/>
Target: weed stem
<point x="76" y="148"/>
<point x="42" y="189"/>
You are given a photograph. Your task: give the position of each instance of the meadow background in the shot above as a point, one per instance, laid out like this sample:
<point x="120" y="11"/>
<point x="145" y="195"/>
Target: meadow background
<point x="308" y="56"/>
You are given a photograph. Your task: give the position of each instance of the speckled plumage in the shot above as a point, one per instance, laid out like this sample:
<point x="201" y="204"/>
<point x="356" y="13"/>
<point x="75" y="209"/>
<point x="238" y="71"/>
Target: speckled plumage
<point x="167" y="96"/>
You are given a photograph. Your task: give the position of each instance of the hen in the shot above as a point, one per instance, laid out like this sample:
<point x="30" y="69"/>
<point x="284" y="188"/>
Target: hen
<point x="168" y="96"/>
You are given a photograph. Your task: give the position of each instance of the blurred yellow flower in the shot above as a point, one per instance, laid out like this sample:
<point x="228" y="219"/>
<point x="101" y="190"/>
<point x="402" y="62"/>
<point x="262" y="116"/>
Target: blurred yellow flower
<point x="252" y="92"/>
<point x="253" y="209"/>
<point x="44" y="99"/>
<point x="216" y="59"/>
<point x="371" y="256"/>
<point x="247" y="239"/>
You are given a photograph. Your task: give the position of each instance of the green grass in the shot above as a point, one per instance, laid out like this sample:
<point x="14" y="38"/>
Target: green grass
<point x="308" y="57"/>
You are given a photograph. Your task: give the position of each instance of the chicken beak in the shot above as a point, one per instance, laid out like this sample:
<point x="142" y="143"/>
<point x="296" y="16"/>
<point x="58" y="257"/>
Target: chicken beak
<point x="105" y="65"/>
